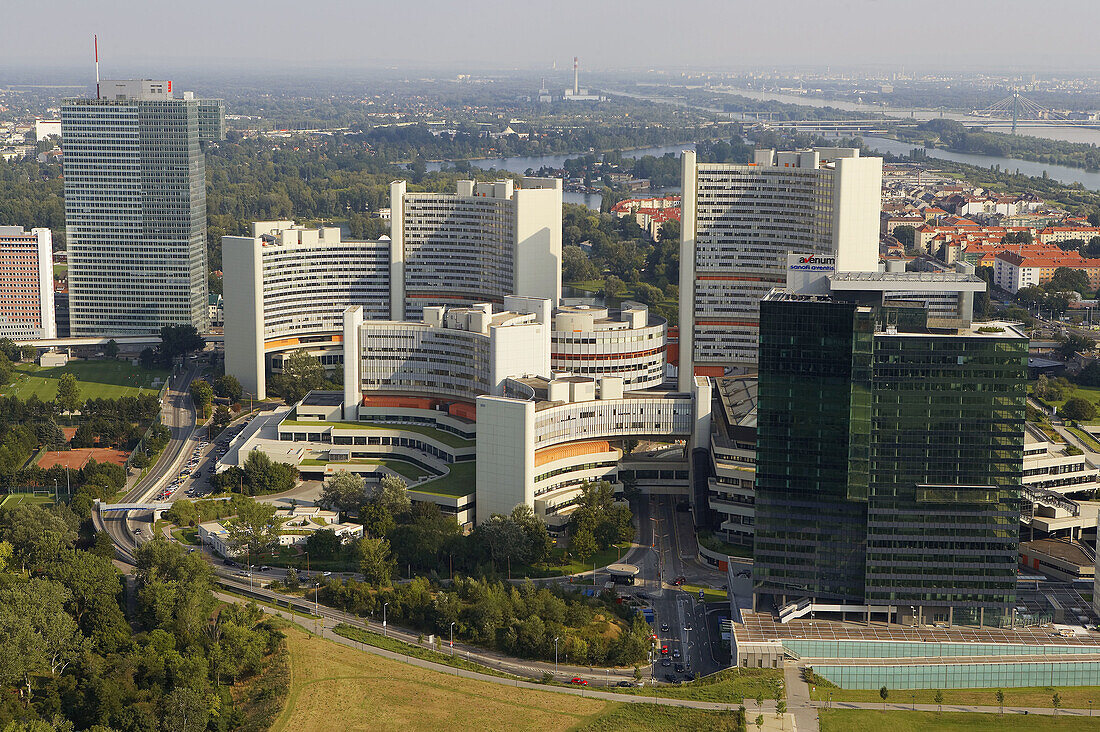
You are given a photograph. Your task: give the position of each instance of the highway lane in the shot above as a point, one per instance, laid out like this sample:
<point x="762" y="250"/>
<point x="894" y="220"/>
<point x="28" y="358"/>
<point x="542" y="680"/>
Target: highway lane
<point x="181" y="419"/>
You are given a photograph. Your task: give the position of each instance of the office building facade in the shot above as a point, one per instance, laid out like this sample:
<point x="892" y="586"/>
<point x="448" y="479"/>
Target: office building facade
<point x="889" y="459"/>
<point x="135" y="208"/>
<point x="478" y="244"/>
<point x="26" y="284"/>
<point x="740" y="221"/>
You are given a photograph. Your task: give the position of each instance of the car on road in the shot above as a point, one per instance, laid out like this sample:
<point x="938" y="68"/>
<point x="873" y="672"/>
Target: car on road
<point x="679" y="580"/>
<point x="666" y="662"/>
<point x="624" y="684"/>
<point x="687" y="627"/>
<point x="664" y="627"/>
<point x="679" y="668"/>
<point x="676" y="653"/>
<point x="689" y="676"/>
<point x="229" y="563"/>
<point x="137" y="531"/>
<point x="664" y="650"/>
<point x="578" y="681"/>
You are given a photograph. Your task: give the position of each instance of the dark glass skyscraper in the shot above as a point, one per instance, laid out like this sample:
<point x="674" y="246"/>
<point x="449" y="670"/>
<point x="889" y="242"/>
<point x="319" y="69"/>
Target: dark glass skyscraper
<point x="889" y="458"/>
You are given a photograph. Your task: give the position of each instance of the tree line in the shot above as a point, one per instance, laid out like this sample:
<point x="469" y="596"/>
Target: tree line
<point x="76" y="656"/>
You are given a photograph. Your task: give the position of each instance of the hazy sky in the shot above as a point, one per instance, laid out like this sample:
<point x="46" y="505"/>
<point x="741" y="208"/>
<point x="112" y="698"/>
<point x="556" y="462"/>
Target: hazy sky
<point x="141" y="37"/>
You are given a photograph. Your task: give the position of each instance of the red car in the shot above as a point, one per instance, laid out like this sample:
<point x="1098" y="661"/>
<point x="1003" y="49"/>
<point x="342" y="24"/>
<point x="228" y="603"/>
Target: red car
<point x="664" y="650"/>
<point x="579" y="681"/>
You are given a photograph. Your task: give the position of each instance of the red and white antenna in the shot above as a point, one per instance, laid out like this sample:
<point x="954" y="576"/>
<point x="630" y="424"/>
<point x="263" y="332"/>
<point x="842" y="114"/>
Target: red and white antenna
<point x="96" y="41"/>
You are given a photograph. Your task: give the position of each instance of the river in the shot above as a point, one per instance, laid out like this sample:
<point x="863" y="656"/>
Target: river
<point x="1067" y="134"/>
<point x="1060" y="173"/>
<point x="521" y="164"/>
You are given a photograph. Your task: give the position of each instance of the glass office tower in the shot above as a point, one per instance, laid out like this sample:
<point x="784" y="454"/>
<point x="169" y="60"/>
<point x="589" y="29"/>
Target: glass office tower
<point x="889" y="459"/>
<point x="135" y="208"/>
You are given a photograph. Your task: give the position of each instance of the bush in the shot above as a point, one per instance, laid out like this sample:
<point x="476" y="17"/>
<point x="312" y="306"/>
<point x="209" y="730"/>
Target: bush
<point x="1078" y="408"/>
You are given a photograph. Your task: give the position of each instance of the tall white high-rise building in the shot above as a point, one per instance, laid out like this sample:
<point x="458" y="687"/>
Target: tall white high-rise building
<point x="476" y="245"/>
<point x="135" y="207"/>
<point x="26" y="284"/>
<point x="739" y="223"/>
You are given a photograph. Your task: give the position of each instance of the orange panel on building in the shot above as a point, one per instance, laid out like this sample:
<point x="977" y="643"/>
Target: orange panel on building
<point x="573" y="449"/>
<point x="463" y="411"/>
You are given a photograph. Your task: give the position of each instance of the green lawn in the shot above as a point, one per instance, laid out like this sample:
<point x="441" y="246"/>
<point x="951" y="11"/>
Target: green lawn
<point x="186" y="535"/>
<point x="15" y="499"/>
<point x="869" y="720"/>
<point x="709" y="593"/>
<point x="459" y="481"/>
<point x="730" y="686"/>
<point x="1073" y="697"/>
<point x="106" y="379"/>
<point x="573" y="566"/>
<point x="1088" y="393"/>
<point x="447" y="438"/>
<point x="1086" y="438"/>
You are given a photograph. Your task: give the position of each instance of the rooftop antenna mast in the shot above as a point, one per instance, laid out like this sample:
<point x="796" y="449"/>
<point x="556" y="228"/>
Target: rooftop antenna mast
<point x="96" y="41"/>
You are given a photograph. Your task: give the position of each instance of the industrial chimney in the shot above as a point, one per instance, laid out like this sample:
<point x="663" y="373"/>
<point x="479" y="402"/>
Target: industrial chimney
<point x="576" y="77"/>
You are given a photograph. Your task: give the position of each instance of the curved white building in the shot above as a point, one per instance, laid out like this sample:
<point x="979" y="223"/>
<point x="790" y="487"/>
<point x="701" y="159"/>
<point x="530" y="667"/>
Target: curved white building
<point x="595" y="342"/>
<point x="286" y="287"/>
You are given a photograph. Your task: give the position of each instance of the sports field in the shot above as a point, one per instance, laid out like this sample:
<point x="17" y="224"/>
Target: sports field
<point x="105" y="379"/>
<point x="78" y="457"/>
<point x="336" y="687"/>
<point x="14" y="499"/>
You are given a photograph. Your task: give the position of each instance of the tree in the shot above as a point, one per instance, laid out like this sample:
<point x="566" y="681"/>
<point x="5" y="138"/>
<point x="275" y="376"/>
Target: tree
<point x="1056" y="702"/>
<point x="613" y="286"/>
<point x="222" y="418"/>
<point x="202" y="394"/>
<point x="906" y="236"/>
<point x="780" y="708"/>
<point x="759" y="721"/>
<point x="1000" y="700"/>
<point x="29" y="353"/>
<point x="301" y="374"/>
<point x="323" y="544"/>
<point x="264" y="475"/>
<point x="228" y="387"/>
<point x="111" y="349"/>
<point x="38" y="637"/>
<point x="376" y="563"/>
<point x="1067" y="279"/>
<point x="393" y="495"/>
<point x="148" y="358"/>
<point x="68" y="393"/>
<point x="583" y="544"/>
<point x="1074" y="342"/>
<point x="938" y="699"/>
<point x="1079" y="409"/>
<point x="884" y="693"/>
<point x="255" y="528"/>
<point x="343" y="491"/>
<point x="177" y="340"/>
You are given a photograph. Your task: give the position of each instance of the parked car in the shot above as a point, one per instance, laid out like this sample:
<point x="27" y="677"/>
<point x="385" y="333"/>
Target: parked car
<point x="676" y="653"/>
<point x="664" y="627"/>
<point x="624" y="683"/>
<point x="679" y="668"/>
<point x="578" y="681"/>
<point x="666" y="662"/>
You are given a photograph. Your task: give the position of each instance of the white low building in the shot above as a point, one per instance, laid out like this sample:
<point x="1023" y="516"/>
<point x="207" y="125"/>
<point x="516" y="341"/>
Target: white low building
<point x="299" y="523"/>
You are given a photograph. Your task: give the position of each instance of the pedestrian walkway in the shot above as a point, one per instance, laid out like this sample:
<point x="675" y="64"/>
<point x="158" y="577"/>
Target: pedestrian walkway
<point x="798" y="698"/>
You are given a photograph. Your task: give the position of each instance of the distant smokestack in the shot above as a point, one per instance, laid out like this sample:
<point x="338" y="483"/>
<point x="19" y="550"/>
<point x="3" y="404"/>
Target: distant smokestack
<point x="576" y="77"/>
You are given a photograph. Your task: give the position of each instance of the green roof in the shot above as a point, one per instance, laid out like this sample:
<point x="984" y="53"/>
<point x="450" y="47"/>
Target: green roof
<point x="447" y="438"/>
<point x="458" y="482"/>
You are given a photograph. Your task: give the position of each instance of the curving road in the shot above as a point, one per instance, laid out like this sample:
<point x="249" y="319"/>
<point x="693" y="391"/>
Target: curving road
<point x="181" y="419"/>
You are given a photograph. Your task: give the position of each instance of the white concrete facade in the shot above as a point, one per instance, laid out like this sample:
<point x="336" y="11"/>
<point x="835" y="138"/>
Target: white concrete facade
<point x="740" y="221"/>
<point x="479" y="244"/>
<point x="593" y="341"/>
<point x="26" y="284"/>
<point x="287" y="287"/>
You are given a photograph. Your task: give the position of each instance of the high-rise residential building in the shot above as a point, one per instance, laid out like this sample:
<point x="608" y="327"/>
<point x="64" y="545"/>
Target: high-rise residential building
<point x="483" y="242"/>
<point x="739" y="223"/>
<point x="26" y="284"/>
<point x="889" y="452"/>
<point x="135" y="207"/>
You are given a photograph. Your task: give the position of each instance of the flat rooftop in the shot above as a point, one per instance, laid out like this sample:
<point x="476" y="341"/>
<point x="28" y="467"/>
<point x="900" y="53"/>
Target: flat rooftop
<point x="323" y="399"/>
<point x="761" y="627"/>
<point x="1059" y="549"/>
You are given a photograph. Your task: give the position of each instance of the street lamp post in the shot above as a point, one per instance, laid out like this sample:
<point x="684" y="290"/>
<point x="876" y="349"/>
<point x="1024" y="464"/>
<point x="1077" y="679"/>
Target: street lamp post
<point x="452" y="639"/>
<point x="384" y="631"/>
<point x="555" y="655"/>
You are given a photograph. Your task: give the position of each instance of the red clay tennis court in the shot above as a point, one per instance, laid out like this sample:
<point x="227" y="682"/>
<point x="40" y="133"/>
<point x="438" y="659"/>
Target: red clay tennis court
<point x="79" y="457"/>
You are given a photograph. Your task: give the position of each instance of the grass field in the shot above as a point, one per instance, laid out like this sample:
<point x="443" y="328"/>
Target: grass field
<point x="459" y="481"/>
<point x="1073" y="697"/>
<point x="106" y="379"/>
<point x="336" y="687"/>
<point x="868" y="720"/>
<point x="731" y="686"/>
<point x="15" y="499"/>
